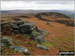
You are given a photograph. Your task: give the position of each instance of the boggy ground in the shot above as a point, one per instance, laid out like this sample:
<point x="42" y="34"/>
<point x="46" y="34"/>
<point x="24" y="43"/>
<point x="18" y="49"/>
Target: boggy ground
<point x="60" y="37"/>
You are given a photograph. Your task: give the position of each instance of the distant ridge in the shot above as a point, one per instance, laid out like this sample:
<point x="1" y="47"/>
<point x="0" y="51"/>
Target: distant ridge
<point x="68" y="13"/>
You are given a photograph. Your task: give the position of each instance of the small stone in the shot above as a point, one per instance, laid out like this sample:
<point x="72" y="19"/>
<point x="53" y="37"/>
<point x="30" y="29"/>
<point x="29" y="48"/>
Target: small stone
<point x="42" y="47"/>
<point x="47" y="23"/>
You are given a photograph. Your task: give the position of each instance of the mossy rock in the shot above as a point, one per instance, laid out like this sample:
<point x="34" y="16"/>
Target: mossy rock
<point x="47" y="23"/>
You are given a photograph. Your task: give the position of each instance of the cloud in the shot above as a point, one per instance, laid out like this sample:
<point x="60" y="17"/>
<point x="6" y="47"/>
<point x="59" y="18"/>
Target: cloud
<point x="37" y="0"/>
<point x="37" y="5"/>
<point x="55" y="2"/>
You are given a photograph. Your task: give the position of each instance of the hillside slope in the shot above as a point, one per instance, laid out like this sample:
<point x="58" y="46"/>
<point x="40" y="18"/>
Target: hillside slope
<point x="60" y="35"/>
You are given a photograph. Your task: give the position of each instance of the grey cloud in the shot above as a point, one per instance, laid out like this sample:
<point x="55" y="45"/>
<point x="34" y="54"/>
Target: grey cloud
<point x="54" y="2"/>
<point x="36" y="0"/>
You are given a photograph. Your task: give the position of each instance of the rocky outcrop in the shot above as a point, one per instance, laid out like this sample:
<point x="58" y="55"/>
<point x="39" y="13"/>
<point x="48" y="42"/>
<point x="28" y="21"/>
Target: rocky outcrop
<point x="24" y="27"/>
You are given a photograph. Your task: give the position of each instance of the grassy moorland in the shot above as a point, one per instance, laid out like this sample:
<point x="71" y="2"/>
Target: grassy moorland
<point x="60" y="35"/>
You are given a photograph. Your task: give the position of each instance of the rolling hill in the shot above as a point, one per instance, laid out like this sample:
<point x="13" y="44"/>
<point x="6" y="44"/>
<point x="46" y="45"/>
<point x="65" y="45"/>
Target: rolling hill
<point x="10" y="12"/>
<point x="59" y="28"/>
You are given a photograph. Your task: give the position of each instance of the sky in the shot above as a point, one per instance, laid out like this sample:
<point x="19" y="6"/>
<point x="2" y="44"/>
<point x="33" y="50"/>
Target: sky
<point x="38" y="5"/>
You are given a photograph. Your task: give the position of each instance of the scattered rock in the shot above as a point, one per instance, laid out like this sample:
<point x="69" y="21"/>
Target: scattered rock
<point x="17" y="42"/>
<point x="47" y="23"/>
<point x="20" y="49"/>
<point x="39" y="39"/>
<point x="42" y="47"/>
<point x="44" y="32"/>
<point x="6" y="41"/>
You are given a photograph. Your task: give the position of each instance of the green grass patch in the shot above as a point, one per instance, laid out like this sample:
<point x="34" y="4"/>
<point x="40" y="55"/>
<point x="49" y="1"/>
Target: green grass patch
<point x="5" y="47"/>
<point x="31" y="49"/>
<point x="11" y="50"/>
<point x="47" y="43"/>
<point x="4" y="53"/>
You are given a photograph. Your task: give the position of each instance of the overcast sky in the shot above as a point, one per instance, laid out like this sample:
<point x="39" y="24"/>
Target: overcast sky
<point x="38" y="5"/>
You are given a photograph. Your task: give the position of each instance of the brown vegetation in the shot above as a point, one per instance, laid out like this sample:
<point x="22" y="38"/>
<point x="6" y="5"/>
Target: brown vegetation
<point x="60" y="37"/>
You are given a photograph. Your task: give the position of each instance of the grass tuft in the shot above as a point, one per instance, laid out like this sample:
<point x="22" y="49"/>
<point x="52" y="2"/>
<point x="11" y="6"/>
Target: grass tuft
<point x="47" y="43"/>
